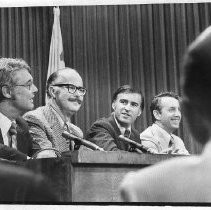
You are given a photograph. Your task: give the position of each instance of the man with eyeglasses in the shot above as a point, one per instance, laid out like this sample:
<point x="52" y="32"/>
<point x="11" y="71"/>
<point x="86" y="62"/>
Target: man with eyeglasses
<point x="65" y="94"/>
<point x="17" y="91"/>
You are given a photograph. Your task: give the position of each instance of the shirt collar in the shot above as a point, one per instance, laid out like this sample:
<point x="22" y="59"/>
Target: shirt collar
<point x="122" y="129"/>
<point x="57" y="112"/>
<point x="5" y="124"/>
<point x="162" y="133"/>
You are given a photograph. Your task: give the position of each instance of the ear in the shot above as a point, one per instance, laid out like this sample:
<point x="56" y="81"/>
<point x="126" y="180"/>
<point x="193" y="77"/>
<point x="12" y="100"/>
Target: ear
<point x="6" y="92"/>
<point x="114" y="105"/>
<point x="52" y="91"/>
<point x="156" y="114"/>
<point x="140" y="111"/>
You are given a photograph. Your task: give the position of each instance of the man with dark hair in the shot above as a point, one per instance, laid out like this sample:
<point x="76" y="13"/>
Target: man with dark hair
<point x="166" y="116"/>
<point x="184" y="179"/>
<point x="17" y="91"/>
<point x="65" y="93"/>
<point x="127" y="104"/>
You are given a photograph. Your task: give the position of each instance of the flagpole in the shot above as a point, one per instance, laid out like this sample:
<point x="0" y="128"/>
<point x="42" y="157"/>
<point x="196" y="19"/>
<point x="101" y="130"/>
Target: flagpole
<point x="56" y="53"/>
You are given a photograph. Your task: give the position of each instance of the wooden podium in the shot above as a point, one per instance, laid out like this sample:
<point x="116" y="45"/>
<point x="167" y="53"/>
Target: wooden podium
<point x="91" y="176"/>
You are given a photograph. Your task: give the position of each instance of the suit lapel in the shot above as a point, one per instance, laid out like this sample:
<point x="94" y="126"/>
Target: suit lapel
<point x="1" y="138"/>
<point x="56" y="129"/>
<point x="120" y="144"/>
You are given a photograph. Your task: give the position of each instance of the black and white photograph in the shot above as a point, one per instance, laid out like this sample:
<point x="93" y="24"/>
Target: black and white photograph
<point x="105" y="103"/>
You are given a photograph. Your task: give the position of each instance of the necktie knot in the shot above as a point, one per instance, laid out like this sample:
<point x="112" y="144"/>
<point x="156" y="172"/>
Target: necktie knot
<point x="127" y="133"/>
<point x="171" y="142"/>
<point x="13" y="130"/>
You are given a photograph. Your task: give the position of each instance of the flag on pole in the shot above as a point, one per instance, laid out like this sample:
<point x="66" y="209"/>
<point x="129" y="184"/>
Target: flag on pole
<point x="56" y="55"/>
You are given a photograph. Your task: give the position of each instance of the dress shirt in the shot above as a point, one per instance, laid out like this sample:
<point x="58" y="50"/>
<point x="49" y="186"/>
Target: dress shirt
<point x="158" y="139"/>
<point x="5" y="124"/>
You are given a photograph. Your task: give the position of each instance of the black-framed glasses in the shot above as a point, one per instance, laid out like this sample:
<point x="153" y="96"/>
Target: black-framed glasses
<point x="72" y="88"/>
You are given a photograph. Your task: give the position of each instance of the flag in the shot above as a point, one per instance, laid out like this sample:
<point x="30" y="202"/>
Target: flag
<point x="56" y="55"/>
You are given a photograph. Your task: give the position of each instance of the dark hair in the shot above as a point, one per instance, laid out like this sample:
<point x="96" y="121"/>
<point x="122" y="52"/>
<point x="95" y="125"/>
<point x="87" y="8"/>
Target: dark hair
<point x="128" y="89"/>
<point x="197" y="74"/>
<point x="53" y="78"/>
<point x="7" y="68"/>
<point x="196" y="84"/>
<point x="155" y="104"/>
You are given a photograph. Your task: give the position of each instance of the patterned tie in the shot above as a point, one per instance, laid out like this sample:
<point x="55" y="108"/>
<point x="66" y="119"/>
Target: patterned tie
<point x="12" y="140"/>
<point x="172" y="143"/>
<point x="72" y="143"/>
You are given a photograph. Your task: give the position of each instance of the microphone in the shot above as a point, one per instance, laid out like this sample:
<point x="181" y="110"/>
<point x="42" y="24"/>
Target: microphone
<point x="84" y="142"/>
<point x="135" y="144"/>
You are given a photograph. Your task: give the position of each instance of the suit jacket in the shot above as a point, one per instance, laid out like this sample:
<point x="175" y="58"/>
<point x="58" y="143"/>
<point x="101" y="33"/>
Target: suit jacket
<point x="24" y="143"/>
<point x="158" y="139"/>
<point x="19" y="185"/>
<point x="181" y="179"/>
<point x="105" y="132"/>
<point x="45" y="129"/>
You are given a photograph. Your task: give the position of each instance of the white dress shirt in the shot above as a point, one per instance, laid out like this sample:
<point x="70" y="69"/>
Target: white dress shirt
<point x="5" y="124"/>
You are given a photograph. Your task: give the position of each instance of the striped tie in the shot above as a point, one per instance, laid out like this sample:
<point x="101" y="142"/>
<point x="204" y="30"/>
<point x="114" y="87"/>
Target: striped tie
<point x="12" y="141"/>
<point x="72" y="143"/>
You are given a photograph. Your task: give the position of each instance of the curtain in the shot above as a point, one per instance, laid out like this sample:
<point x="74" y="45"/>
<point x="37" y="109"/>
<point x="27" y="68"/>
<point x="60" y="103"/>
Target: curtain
<point x="141" y="45"/>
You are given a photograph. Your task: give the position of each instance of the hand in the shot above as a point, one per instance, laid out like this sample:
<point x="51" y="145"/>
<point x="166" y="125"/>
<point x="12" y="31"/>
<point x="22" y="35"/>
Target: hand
<point x="181" y="152"/>
<point x="168" y="151"/>
<point x="152" y="151"/>
<point x="46" y="154"/>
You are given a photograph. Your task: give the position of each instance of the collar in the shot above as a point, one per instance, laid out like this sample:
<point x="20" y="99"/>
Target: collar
<point x="122" y="129"/>
<point x="163" y="134"/>
<point x="57" y="112"/>
<point x="5" y="124"/>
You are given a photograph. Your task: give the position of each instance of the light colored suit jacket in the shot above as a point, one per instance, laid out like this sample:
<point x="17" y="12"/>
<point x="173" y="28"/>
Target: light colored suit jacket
<point x="158" y="139"/>
<point x="46" y="129"/>
<point x="181" y="179"/>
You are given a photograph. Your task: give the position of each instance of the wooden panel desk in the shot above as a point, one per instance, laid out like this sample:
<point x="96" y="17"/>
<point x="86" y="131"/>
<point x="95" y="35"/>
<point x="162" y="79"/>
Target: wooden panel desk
<point x="91" y="176"/>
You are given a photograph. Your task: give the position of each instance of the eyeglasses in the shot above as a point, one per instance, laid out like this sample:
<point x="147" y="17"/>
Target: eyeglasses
<point x="72" y="88"/>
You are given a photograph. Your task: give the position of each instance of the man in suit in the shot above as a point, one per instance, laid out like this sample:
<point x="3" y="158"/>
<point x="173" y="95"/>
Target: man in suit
<point x="17" y="91"/>
<point x="166" y="117"/>
<point x="183" y="179"/>
<point x="65" y="93"/>
<point x="127" y="104"/>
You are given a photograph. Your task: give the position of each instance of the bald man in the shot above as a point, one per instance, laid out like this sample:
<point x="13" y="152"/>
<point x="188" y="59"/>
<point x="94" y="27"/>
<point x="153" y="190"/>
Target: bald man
<point x="65" y="93"/>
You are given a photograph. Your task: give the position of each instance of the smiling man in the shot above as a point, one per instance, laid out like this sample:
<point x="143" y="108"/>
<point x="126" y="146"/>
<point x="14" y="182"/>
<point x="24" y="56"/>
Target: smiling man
<point x="166" y="117"/>
<point x="127" y="104"/>
<point x="65" y="93"/>
<point x="17" y="91"/>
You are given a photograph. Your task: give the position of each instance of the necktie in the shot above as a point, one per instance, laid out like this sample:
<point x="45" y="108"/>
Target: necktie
<point x="12" y="140"/>
<point x="71" y="143"/>
<point x="172" y="143"/>
<point x="127" y="133"/>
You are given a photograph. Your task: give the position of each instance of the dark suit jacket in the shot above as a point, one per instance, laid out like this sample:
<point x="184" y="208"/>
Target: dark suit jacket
<point x="105" y="132"/>
<point x="19" y="185"/>
<point x="24" y="143"/>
